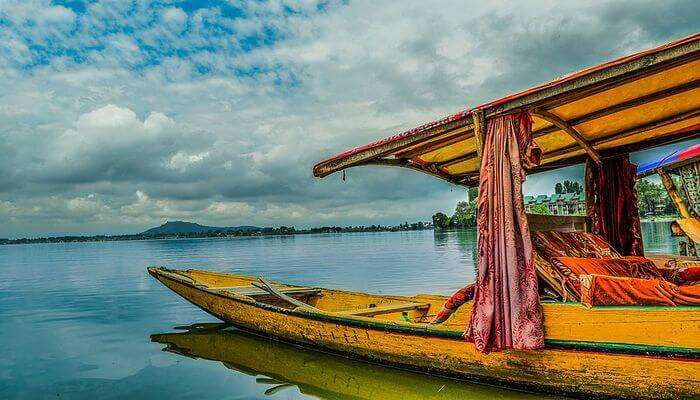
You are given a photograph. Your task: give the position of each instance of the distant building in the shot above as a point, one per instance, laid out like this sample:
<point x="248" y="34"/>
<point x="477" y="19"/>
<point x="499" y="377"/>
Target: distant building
<point x="558" y="204"/>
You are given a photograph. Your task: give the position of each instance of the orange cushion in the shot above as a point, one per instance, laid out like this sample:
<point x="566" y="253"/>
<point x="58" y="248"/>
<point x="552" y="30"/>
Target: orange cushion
<point x="600" y="290"/>
<point x="631" y="267"/>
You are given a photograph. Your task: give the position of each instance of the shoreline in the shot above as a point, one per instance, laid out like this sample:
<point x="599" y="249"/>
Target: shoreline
<point x="660" y="219"/>
<point x="138" y="237"/>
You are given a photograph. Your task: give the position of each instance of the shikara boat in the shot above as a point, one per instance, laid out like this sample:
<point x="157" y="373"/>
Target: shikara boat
<point x="628" y="352"/>
<point x="637" y="102"/>
<point x="280" y="368"/>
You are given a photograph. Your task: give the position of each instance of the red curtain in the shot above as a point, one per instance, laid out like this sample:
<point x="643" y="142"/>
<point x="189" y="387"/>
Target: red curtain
<point x="613" y="204"/>
<point x="506" y="312"/>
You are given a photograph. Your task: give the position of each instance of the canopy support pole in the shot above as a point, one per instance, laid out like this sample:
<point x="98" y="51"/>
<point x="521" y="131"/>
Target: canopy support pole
<point x="563" y="125"/>
<point x="673" y="193"/>
<point x="479" y="132"/>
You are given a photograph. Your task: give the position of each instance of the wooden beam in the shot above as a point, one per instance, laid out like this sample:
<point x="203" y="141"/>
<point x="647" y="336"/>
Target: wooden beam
<point x="675" y="137"/>
<point x="434" y="145"/>
<point x="426" y="168"/>
<point x="631" y="131"/>
<point x="659" y="95"/>
<point x="479" y="132"/>
<point x="387" y="309"/>
<point x="599" y="81"/>
<point x="554" y="119"/>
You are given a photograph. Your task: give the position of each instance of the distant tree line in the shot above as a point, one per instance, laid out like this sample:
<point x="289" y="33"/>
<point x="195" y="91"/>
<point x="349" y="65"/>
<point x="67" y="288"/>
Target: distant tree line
<point x="464" y="215"/>
<point x="282" y="230"/>
<point x="652" y="199"/>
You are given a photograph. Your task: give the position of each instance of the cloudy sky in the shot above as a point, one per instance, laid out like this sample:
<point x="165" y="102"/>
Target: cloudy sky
<point x="118" y="115"/>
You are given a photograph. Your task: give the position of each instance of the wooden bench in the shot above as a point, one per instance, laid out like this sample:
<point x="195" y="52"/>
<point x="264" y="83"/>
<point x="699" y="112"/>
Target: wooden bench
<point x="387" y="309"/>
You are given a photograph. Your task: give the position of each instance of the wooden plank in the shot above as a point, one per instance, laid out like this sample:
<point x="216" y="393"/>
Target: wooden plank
<point x="419" y="150"/>
<point x="560" y="223"/>
<point x="416" y="166"/>
<point x="662" y="94"/>
<point x="459" y="159"/>
<point x="598" y="81"/>
<point x="254" y="291"/>
<point x="629" y="132"/>
<point x="388" y="309"/>
<point x="563" y="125"/>
<point x="264" y="285"/>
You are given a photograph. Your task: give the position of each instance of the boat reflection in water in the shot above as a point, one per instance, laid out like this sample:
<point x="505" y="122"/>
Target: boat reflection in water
<point x="325" y="376"/>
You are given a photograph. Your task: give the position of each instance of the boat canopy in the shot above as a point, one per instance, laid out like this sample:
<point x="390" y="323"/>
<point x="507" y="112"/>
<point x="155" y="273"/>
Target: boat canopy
<point x="643" y="100"/>
<point x="670" y="161"/>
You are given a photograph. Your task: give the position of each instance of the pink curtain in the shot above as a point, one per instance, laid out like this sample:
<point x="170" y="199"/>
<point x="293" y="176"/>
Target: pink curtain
<point x="613" y="204"/>
<point x="506" y="312"/>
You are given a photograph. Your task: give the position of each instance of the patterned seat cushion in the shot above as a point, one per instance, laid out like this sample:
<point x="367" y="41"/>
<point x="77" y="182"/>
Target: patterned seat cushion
<point x="550" y="244"/>
<point x="601" y="290"/>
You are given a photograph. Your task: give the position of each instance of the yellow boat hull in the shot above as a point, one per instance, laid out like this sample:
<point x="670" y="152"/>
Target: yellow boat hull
<point x="641" y="367"/>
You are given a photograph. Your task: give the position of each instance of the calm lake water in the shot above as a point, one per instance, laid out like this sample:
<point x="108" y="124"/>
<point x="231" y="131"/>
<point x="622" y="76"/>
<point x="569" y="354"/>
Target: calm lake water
<point x="84" y="320"/>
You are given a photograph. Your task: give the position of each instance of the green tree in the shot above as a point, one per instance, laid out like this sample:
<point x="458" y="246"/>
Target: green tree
<point x="472" y="193"/>
<point x="568" y="187"/>
<point x="465" y="214"/>
<point x="540" y="209"/>
<point x="441" y="221"/>
<point x="649" y="194"/>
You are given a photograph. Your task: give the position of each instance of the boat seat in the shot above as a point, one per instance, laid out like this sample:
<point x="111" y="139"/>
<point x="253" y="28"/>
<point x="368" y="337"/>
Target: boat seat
<point x="253" y="291"/>
<point x="387" y="309"/>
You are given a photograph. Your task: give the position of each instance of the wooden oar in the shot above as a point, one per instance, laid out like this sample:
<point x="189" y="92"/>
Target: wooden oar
<point x="264" y="285"/>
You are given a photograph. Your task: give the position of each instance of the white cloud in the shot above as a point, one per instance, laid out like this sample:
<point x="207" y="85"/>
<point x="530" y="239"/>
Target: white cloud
<point x="164" y="114"/>
<point x="175" y="18"/>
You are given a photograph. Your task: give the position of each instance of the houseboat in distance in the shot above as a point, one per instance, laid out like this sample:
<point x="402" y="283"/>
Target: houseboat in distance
<point x="605" y="322"/>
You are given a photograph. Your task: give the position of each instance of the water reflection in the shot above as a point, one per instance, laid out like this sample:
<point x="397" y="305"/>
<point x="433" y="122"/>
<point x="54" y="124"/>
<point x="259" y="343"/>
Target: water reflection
<point x="657" y="237"/>
<point x="282" y="367"/>
<point x="463" y="240"/>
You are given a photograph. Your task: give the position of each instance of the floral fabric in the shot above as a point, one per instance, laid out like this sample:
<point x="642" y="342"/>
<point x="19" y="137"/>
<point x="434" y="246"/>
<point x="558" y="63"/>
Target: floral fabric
<point x="614" y="204"/>
<point x="506" y="312"/>
<point x="600" y="290"/>
<point x="551" y="244"/>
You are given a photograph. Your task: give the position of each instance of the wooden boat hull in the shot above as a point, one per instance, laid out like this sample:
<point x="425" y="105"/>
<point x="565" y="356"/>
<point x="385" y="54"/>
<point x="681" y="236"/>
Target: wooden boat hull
<point x="572" y="371"/>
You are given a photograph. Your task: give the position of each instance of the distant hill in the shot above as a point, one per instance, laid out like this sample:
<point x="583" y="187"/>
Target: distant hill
<point x="182" y="227"/>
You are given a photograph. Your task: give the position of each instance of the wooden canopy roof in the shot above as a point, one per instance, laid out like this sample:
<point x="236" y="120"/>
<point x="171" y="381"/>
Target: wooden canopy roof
<point x="643" y="100"/>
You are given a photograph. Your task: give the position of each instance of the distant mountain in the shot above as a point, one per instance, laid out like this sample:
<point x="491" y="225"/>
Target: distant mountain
<point x="182" y="227"/>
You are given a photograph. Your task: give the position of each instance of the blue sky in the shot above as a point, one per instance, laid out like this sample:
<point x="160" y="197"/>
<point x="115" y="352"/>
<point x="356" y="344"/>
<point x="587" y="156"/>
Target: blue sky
<point x="118" y="115"/>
